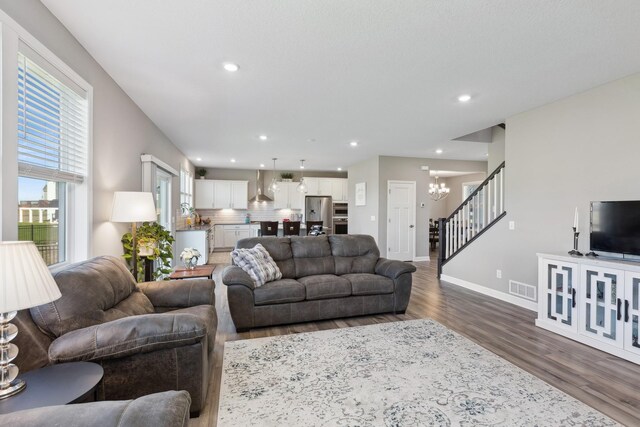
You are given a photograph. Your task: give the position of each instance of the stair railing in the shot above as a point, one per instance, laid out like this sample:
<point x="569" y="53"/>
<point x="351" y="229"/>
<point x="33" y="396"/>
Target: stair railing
<point x="477" y="213"/>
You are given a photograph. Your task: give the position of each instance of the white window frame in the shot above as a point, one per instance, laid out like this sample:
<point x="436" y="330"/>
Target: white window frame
<point x="186" y="187"/>
<point x="79" y="198"/>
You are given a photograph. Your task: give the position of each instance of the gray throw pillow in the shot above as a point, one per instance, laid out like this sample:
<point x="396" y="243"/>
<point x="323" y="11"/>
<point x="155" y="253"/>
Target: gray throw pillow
<point x="257" y="263"/>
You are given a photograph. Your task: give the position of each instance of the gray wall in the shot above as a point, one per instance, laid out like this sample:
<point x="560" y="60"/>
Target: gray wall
<point x="559" y="156"/>
<point x="496" y="149"/>
<point x="121" y="131"/>
<point x="408" y="169"/>
<point x="360" y="217"/>
<point x="454" y="199"/>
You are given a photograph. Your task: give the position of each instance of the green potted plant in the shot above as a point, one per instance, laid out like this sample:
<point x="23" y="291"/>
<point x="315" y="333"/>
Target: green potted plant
<point x="201" y="172"/>
<point x="286" y="176"/>
<point x="154" y="239"/>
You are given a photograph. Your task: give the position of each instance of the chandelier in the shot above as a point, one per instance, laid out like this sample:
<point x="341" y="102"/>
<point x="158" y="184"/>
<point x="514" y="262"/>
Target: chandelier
<point x="274" y="187"/>
<point x="438" y="191"/>
<point x="302" y="187"/>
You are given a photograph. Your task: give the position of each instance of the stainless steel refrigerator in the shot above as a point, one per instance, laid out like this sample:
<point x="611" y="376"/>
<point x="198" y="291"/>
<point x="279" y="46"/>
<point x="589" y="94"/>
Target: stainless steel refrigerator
<point x="319" y="208"/>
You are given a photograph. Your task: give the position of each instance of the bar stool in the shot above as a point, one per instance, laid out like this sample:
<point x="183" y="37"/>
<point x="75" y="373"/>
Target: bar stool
<point x="291" y="228"/>
<point x="268" y="228"/>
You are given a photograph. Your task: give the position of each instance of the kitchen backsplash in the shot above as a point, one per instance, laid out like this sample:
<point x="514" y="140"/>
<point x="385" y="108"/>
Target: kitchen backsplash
<point x="256" y="211"/>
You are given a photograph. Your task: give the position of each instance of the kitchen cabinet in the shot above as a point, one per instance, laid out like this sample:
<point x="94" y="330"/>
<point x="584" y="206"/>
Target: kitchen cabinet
<point x="231" y="233"/>
<point x="288" y="197"/>
<point x="312" y="186"/>
<point x="204" y="194"/>
<point x="193" y="238"/>
<point x="592" y="301"/>
<point x="218" y="236"/>
<point x="221" y="194"/>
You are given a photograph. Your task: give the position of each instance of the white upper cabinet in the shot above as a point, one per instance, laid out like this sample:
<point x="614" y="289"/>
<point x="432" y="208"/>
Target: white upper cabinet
<point x="288" y="197"/>
<point x="334" y="187"/>
<point x="221" y="194"/>
<point x="312" y="186"/>
<point x="204" y="194"/>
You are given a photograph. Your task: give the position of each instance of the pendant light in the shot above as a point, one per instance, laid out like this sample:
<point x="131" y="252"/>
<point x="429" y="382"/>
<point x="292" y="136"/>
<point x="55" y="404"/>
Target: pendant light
<point x="302" y="187"/>
<point x="438" y="191"/>
<point x="274" y="186"/>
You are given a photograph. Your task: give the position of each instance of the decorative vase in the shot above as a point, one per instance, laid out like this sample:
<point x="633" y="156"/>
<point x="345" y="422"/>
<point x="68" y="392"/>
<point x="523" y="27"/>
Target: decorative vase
<point x="190" y="263"/>
<point x="202" y="177"/>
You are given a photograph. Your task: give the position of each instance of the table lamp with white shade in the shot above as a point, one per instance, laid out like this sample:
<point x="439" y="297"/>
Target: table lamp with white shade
<point x="25" y="282"/>
<point x="133" y="207"/>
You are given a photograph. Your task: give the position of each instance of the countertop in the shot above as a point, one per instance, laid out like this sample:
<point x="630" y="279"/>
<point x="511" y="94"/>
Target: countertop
<point x="205" y="227"/>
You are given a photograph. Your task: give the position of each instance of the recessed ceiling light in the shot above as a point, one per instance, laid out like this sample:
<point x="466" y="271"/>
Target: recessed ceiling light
<point x="233" y="160"/>
<point x="231" y="67"/>
<point x="464" y="98"/>
<point x="261" y="165"/>
<point x="353" y="143"/>
<point x="339" y="169"/>
<point x="198" y="159"/>
<point x="439" y="151"/>
<point x="263" y="137"/>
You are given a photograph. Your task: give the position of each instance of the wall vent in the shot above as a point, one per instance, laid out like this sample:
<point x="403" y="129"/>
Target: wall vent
<point x="522" y="290"/>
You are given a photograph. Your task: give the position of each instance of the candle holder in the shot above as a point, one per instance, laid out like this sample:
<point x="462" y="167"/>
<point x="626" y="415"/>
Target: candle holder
<point x="575" y="251"/>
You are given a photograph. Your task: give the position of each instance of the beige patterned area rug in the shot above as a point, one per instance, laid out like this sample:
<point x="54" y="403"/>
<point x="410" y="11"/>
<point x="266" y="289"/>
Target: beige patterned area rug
<point x="414" y="373"/>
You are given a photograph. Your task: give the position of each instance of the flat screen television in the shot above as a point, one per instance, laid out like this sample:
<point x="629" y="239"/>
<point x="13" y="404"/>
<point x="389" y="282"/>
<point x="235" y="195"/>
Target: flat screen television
<point x="615" y="227"/>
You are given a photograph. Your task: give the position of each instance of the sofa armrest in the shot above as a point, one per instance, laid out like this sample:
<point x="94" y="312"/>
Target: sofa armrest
<point x="392" y="268"/>
<point x="234" y="275"/>
<point x="130" y="335"/>
<point x="180" y="293"/>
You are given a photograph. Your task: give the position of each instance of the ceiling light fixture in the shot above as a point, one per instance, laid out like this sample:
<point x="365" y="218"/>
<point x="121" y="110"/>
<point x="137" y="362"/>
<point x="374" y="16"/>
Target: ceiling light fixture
<point x="261" y="165"/>
<point x="273" y="187"/>
<point x="198" y="159"/>
<point x="230" y="67"/>
<point x="302" y="187"/>
<point x="339" y="169"/>
<point x="438" y="191"/>
<point x="439" y="151"/>
<point x="464" y="98"/>
<point x="353" y="143"/>
<point x="263" y="137"/>
<point x="233" y="160"/>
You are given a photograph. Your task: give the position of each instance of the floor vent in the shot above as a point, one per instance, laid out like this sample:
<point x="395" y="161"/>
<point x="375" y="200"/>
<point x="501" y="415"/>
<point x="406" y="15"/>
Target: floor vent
<point x="522" y="290"/>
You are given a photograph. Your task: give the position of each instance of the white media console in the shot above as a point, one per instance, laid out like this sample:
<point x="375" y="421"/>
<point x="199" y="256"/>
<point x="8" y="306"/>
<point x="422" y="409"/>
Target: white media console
<point x="593" y="301"/>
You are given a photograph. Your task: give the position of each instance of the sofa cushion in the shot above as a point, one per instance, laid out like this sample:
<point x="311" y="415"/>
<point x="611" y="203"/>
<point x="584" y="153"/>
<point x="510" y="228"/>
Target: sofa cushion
<point x="280" y="250"/>
<point x="312" y="255"/>
<point x="278" y="292"/>
<point x="323" y="286"/>
<point x="93" y="292"/>
<point x="369" y="284"/>
<point x="258" y="263"/>
<point x="354" y="253"/>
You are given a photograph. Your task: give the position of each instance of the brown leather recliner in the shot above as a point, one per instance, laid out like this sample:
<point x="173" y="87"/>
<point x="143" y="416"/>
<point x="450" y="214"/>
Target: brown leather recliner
<point x="149" y="337"/>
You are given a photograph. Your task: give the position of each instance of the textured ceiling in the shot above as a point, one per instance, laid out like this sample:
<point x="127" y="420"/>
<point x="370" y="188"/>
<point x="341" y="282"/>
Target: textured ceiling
<point x="315" y="74"/>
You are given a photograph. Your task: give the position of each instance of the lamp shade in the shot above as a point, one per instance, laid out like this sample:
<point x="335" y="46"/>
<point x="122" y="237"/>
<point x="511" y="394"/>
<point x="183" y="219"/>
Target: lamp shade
<point x="133" y="206"/>
<point x="25" y="280"/>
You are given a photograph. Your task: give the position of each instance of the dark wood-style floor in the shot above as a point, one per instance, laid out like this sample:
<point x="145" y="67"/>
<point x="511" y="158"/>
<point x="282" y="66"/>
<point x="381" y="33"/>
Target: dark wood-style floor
<point x="602" y="381"/>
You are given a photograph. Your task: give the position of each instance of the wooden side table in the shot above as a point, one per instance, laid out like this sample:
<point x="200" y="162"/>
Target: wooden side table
<point x="202" y="271"/>
<point x="55" y="385"/>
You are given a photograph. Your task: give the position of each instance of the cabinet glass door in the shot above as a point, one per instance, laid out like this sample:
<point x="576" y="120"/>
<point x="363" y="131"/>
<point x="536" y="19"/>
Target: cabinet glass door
<point x="560" y="292"/>
<point x="601" y="304"/>
<point x="632" y="311"/>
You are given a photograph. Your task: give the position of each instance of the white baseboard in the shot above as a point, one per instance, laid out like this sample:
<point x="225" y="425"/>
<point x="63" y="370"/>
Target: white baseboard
<point x="520" y="302"/>
<point x="421" y="258"/>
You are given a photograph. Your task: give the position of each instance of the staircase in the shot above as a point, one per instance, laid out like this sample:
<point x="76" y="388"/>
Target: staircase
<point x="479" y="212"/>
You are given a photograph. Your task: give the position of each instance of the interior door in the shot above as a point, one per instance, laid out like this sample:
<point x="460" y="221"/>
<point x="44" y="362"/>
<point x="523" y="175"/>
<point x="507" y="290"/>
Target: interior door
<point x="163" y="198"/>
<point x="401" y="220"/>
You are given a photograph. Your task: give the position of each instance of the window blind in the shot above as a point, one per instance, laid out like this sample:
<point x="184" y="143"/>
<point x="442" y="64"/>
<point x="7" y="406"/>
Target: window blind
<point x="52" y="124"/>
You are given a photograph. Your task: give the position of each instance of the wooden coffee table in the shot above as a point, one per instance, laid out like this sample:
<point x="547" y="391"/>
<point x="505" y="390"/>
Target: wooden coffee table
<point x="205" y="271"/>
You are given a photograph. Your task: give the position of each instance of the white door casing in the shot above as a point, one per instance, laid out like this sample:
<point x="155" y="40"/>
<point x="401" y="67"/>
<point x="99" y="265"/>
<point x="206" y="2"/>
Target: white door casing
<point x="401" y="220"/>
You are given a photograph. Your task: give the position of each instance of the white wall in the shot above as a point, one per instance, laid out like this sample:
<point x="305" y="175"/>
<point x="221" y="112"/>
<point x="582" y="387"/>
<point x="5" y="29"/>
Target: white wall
<point x="121" y="131"/>
<point x="562" y="155"/>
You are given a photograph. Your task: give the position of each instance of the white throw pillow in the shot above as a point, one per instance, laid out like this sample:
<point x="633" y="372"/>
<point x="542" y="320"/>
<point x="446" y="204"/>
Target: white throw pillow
<point x="258" y="263"/>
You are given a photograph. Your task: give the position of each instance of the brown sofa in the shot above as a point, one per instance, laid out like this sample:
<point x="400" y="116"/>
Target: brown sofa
<point x="323" y="277"/>
<point x="149" y="337"/>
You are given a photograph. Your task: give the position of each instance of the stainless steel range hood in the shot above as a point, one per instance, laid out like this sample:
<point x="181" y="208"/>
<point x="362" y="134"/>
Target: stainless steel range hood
<point x="260" y="197"/>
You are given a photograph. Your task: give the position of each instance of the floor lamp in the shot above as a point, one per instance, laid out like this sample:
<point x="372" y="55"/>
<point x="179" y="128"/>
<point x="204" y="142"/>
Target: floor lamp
<point x="133" y="207"/>
<point x="25" y="282"/>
